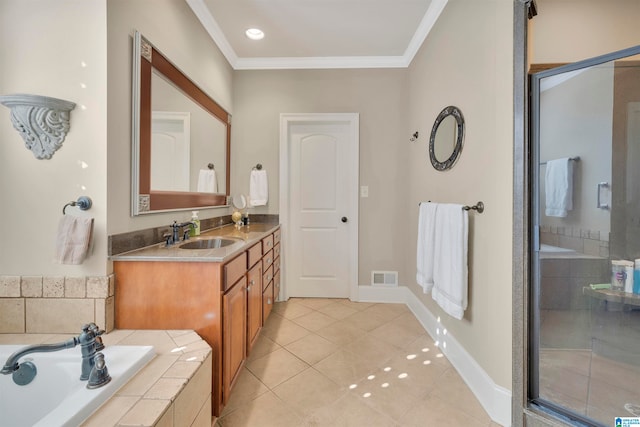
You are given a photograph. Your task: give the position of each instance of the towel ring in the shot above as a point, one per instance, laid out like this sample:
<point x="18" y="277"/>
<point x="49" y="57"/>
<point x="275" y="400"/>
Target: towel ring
<point x="83" y="202"/>
<point x="211" y="166"/>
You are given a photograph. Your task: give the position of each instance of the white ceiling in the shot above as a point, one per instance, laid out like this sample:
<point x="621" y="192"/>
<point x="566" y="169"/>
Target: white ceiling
<point x="319" y="33"/>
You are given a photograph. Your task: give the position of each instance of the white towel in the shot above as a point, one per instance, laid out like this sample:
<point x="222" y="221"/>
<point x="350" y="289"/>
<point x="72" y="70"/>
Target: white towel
<point x="450" y="271"/>
<point x="559" y="187"/>
<point x="72" y="240"/>
<point x="207" y="181"/>
<point x="258" y="188"/>
<point x="426" y="248"/>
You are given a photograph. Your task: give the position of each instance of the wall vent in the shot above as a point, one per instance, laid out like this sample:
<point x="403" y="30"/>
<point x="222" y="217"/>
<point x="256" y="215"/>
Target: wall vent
<point x="384" y="278"/>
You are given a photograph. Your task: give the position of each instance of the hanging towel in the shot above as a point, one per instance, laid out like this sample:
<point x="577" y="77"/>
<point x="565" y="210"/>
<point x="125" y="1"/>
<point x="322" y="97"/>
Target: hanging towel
<point x="207" y="181"/>
<point x="559" y="187"/>
<point x="258" y="188"/>
<point x="426" y="240"/>
<point x="72" y="241"/>
<point x="450" y="272"/>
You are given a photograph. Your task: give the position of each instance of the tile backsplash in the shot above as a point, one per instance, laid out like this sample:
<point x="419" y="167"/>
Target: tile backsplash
<point x="44" y="304"/>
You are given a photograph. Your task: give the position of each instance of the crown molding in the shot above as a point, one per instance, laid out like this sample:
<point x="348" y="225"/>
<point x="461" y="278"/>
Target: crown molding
<point x="281" y="63"/>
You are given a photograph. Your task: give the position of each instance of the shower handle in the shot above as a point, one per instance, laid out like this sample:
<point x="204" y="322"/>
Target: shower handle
<point x="601" y="205"/>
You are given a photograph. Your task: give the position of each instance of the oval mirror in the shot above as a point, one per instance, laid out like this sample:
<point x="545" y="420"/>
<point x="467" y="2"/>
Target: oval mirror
<point x="447" y="136"/>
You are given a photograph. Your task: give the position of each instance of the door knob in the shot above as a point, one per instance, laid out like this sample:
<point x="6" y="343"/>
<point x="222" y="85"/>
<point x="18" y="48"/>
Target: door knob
<point x="344" y="219"/>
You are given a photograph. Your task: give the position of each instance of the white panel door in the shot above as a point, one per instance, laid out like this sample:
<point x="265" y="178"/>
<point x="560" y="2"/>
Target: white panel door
<point x="170" y="147"/>
<point x="322" y="191"/>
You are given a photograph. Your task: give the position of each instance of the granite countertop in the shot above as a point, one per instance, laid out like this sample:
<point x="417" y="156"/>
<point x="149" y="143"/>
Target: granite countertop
<point x="245" y="235"/>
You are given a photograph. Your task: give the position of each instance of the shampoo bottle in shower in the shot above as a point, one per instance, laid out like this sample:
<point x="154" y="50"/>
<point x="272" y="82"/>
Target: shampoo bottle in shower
<point x="195" y="229"/>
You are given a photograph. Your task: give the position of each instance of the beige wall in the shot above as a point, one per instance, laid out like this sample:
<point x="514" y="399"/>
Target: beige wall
<point x="175" y="31"/>
<point x="55" y="49"/>
<point x="467" y="61"/>
<point x="572" y="30"/>
<point x="380" y="97"/>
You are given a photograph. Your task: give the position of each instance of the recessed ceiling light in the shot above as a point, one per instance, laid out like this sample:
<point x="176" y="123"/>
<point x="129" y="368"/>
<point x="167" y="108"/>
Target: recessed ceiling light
<point x="254" y="34"/>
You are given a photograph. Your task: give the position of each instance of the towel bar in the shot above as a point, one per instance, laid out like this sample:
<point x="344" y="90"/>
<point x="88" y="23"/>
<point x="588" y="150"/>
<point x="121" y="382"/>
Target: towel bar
<point x="575" y="159"/>
<point x="478" y="207"/>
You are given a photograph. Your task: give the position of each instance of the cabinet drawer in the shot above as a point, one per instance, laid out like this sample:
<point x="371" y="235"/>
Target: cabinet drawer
<point x="267" y="302"/>
<point x="255" y="253"/>
<point x="276" y="250"/>
<point x="276" y="237"/>
<point x="267" y="243"/>
<point x="276" y="265"/>
<point x="234" y="270"/>
<point x="267" y="260"/>
<point x="267" y="277"/>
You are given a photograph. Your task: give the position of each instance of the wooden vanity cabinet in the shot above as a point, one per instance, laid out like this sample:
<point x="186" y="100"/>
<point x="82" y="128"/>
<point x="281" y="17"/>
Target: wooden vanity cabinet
<point x="225" y="303"/>
<point x="181" y="295"/>
<point x="234" y="316"/>
<point x="254" y="304"/>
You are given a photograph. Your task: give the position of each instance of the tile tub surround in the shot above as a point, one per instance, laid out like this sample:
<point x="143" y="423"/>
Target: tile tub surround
<point x="174" y="389"/>
<point x="125" y="242"/>
<point x="48" y="304"/>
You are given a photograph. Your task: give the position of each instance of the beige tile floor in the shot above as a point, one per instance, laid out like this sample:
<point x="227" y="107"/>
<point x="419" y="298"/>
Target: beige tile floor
<point x="333" y="362"/>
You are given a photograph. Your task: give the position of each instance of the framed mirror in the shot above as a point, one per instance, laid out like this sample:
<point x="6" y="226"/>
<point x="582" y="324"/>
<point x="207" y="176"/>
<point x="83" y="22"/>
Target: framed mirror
<point x="447" y="136"/>
<point x="181" y="138"/>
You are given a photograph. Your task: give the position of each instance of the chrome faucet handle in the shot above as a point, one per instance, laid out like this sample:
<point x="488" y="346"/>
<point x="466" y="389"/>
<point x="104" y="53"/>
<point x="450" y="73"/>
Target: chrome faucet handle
<point x="97" y="332"/>
<point x="99" y="375"/>
<point x="168" y="238"/>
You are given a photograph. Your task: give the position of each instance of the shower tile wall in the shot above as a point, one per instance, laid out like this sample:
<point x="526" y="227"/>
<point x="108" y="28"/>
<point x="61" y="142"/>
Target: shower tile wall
<point x="588" y="242"/>
<point x="562" y="280"/>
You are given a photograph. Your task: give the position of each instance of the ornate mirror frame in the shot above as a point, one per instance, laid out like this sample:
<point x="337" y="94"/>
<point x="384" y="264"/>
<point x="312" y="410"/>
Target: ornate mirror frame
<point x="144" y="200"/>
<point x="448" y="163"/>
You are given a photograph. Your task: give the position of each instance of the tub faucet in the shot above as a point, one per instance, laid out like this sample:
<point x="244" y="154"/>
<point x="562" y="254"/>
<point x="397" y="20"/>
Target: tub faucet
<point x="88" y="341"/>
<point x="23" y="373"/>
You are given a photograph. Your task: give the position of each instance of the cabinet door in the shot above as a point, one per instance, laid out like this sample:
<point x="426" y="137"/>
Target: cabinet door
<point x="254" y="304"/>
<point x="234" y="316"/>
<point x="267" y="302"/>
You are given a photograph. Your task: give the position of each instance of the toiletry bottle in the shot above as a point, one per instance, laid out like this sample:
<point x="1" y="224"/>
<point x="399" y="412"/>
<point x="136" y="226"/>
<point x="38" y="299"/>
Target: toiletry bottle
<point x="636" y="276"/>
<point x="195" y="230"/>
<point x="629" y="273"/>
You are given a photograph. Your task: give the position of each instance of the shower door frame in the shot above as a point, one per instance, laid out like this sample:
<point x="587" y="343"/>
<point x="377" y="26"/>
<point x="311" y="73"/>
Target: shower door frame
<point x="533" y="339"/>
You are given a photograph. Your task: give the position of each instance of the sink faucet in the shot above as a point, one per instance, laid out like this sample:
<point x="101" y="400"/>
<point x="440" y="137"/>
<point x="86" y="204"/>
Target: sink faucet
<point x="174" y="236"/>
<point x="23" y="373"/>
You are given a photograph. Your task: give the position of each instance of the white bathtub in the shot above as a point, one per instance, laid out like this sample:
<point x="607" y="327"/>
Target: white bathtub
<point x="57" y="397"/>
<point x="555" y="249"/>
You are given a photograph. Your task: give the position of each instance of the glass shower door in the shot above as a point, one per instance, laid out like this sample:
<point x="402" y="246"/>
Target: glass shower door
<point x="585" y="335"/>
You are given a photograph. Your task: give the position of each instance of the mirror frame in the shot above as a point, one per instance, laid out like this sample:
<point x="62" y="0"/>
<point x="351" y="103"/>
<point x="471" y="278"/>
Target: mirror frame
<point x="446" y="112"/>
<point x="143" y="200"/>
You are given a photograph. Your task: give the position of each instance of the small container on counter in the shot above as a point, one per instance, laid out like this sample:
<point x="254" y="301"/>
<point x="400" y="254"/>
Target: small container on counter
<point x="622" y="275"/>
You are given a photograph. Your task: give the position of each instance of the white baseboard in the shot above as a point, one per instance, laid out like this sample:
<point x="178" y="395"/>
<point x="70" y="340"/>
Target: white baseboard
<point x="496" y="400"/>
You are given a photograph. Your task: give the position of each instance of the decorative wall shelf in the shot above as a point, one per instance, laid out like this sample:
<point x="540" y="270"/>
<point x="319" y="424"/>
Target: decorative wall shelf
<point x="42" y="122"/>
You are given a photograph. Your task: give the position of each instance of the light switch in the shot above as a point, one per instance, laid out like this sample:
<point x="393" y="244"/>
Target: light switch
<point x="364" y="191"/>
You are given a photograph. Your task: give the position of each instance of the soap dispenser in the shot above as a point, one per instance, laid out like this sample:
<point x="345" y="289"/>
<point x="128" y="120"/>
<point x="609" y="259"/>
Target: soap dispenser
<point x="195" y="229"/>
